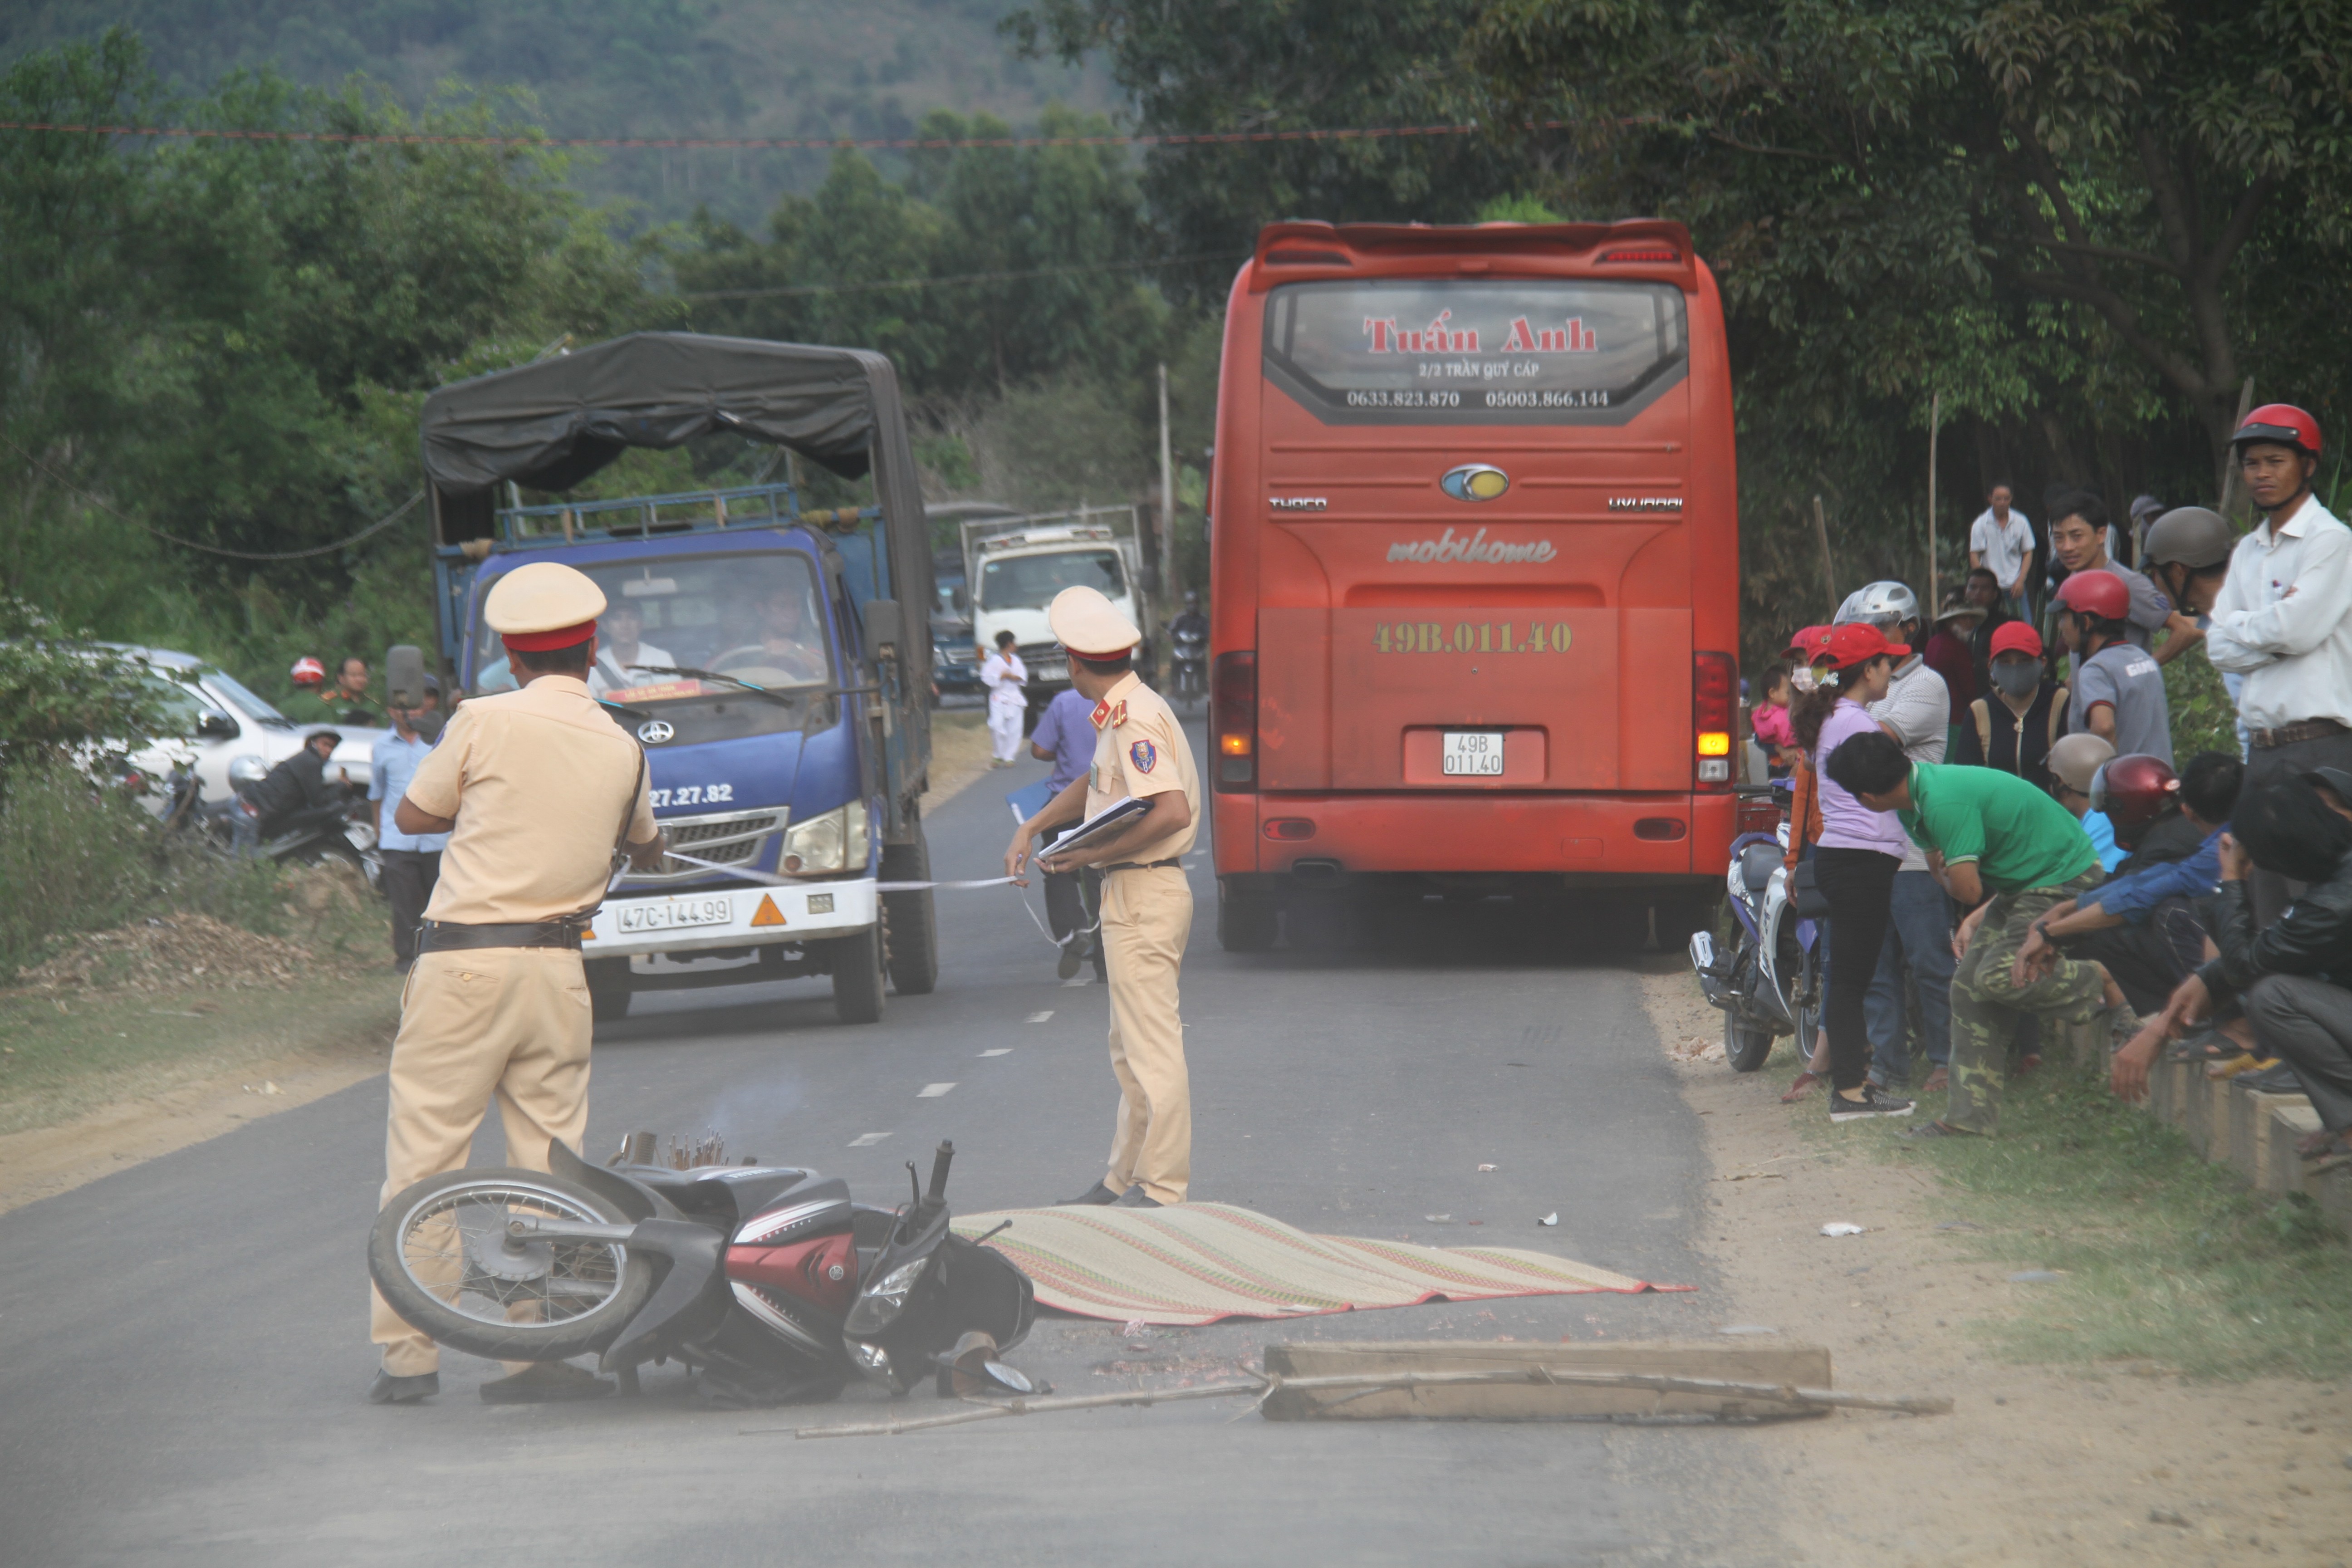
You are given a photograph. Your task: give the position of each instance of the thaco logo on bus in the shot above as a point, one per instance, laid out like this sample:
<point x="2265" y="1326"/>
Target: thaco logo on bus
<point x="1476" y="548"/>
<point x="1441" y="337"/>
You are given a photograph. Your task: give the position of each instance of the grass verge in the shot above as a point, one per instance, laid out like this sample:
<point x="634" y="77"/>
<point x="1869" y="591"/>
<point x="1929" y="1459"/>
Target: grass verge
<point x="2161" y="1255"/>
<point x="62" y="1056"/>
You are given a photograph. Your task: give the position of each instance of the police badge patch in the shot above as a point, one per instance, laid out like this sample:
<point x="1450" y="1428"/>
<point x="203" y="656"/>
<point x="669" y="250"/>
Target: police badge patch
<point x="1142" y="754"/>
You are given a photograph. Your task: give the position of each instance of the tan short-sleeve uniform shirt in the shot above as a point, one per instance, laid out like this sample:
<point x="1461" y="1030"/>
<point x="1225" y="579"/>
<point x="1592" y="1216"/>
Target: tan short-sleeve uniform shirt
<point x="1141" y="750"/>
<point x="538" y="781"/>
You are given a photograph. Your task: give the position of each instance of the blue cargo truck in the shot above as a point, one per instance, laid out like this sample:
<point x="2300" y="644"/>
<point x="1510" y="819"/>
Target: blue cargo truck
<point x="773" y="661"/>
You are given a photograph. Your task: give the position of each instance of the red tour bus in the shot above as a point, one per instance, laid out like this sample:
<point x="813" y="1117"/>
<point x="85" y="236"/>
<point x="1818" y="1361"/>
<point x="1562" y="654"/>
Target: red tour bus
<point x="1475" y="566"/>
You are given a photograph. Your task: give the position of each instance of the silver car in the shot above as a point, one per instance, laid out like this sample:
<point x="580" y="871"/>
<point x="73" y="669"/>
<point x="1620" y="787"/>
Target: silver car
<point x="227" y="734"/>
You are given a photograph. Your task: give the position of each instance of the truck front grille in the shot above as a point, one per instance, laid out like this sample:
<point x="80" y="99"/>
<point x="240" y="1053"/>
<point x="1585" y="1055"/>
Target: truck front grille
<point x="734" y="838"/>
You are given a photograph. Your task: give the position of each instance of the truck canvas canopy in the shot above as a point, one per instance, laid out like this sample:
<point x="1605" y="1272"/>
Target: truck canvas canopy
<point x="553" y="424"/>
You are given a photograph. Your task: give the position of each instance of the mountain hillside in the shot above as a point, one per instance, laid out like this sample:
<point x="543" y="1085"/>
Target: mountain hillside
<point x="632" y="67"/>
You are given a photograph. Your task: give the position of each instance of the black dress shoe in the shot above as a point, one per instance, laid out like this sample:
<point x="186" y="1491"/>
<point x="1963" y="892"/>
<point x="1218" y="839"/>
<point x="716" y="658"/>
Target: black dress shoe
<point x="545" y="1383"/>
<point x="1135" y="1197"/>
<point x="389" y="1390"/>
<point x="1097" y="1194"/>
<point x="1067" y="964"/>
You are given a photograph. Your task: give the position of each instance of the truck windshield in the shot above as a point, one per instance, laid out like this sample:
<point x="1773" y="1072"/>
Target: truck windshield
<point x="1030" y="582"/>
<point x="757" y="617"/>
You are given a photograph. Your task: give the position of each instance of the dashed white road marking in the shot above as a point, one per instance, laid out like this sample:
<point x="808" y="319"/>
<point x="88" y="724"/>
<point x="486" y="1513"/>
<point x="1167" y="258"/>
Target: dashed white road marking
<point x="868" y="1140"/>
<point x="999" y="1051"/>
<point x="933" y="1090"/>
<point x="1039" y="1018"/>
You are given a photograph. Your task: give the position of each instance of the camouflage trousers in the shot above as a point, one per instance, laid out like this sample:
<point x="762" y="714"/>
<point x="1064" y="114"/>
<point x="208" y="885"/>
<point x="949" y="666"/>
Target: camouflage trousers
<point x="1987" y="1004"/>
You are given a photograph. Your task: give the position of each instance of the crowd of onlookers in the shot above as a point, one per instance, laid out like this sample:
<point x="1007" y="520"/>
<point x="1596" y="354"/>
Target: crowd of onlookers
<point x="1986" y="808"/>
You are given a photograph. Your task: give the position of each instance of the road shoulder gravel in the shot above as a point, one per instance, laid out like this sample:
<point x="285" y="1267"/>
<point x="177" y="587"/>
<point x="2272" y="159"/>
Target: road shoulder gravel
<point x="2128" y="1462"/>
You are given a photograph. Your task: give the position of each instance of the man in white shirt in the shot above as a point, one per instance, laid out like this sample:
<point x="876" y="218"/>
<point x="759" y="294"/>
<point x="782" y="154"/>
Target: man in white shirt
<point x="1002" y="671"/>
<point x="1918" y="711"/>
<point x="2284" y="620"/>
<point x="621" y="658"/>
<point x="2003" y="540"/>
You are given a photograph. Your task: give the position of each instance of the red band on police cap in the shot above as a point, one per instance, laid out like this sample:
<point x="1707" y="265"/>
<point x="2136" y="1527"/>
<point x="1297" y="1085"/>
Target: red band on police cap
<point x="540" y="642"/>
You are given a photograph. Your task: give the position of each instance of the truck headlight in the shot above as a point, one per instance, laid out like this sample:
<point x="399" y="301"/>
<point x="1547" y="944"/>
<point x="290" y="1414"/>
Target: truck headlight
<point x="834" y="842"/>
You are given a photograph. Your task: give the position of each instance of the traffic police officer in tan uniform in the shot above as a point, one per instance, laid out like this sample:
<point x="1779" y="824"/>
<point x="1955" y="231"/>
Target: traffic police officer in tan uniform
<point x="535" y="788"/>
<point x="1147" y="904"/>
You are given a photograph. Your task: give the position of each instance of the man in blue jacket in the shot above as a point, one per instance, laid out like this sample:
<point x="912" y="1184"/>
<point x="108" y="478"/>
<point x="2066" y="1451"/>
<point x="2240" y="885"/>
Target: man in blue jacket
<point x="2142" y="923"/>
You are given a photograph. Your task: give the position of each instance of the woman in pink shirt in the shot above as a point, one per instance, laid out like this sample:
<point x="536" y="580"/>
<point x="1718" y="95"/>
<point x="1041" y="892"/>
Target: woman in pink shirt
<point x="1855" y="863"/>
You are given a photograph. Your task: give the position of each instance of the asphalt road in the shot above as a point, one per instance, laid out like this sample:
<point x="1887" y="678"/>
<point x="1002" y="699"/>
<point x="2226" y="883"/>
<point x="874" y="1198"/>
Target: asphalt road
<point x="182" y="1346"/>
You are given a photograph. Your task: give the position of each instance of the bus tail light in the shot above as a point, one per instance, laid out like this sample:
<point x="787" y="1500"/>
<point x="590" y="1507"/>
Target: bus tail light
<point x="1289" y="827"/>
<point x="1715" y="702"/>
<point x="1233" y="721"/>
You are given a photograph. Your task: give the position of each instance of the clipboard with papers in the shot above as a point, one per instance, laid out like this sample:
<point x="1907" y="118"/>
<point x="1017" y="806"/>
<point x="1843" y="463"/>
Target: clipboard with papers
<point x="1102" y="827"/>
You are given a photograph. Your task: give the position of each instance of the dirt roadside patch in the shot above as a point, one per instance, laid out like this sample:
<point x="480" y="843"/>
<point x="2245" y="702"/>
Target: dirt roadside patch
<point x="2127" y="1463"/>
<point x="958" y="750"/>
<point x="95" y="1081"/>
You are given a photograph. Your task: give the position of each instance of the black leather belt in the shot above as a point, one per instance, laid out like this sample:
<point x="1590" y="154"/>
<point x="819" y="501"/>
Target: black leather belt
<point x="1139" y="865"/>
<point x="2289" y="734"/>
<point x="447" y="936"/>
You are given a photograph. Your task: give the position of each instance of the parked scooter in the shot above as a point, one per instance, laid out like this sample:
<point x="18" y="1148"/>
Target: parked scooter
<point x="766" y="1280"/>
<point x="1768" y="984"/>
<point x="1188" y="664"/>
<point x="343" y="830"/>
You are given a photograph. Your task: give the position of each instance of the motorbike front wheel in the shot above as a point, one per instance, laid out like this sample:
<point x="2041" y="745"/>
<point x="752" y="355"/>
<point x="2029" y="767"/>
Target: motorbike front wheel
<point x="1745" y="1046"/>
<point x="442" y="1255"/>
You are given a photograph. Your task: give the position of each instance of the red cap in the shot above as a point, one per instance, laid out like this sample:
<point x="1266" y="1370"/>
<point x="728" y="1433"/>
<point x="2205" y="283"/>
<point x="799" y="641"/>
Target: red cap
<point x="308" y="672"/>
<point x="2283" y="422"/>
<point x="1806" y="643"/>
<point x="1851" y="644"/>
<point x="561" y="636"/>
<point x="2100" y="593"/>
<point x="2015" y="636"/>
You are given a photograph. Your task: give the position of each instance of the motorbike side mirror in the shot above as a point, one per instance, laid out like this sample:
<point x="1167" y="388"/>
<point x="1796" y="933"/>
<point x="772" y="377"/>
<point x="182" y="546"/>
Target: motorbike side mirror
<point x="214" y="725"/>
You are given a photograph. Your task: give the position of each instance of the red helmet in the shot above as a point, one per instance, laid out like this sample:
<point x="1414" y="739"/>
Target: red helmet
<point x="2283" y="422"/>
<point x="2094" y="593"/>
<point x="2133" y="791"/>
<point x="308" y="671"/>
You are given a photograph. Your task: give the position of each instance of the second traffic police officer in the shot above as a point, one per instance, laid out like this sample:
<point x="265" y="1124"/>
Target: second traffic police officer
<point x="1147" y="904"/>
<point x="535" y="787"/>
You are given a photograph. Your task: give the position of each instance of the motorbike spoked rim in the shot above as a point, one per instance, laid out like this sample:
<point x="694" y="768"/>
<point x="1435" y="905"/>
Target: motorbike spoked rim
<point x="487" y="1274"/>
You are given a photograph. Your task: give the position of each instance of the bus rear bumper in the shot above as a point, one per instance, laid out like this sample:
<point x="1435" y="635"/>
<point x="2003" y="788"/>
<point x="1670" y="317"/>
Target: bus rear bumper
<point x="1591" y="840"/>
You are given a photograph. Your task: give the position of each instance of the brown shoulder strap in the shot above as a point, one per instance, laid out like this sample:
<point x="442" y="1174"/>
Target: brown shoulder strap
<point x="1981" y="712"/>
<point x="2057" y="714"/>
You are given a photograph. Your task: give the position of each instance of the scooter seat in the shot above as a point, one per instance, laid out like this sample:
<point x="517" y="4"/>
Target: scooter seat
<point x="1757" y="864"/>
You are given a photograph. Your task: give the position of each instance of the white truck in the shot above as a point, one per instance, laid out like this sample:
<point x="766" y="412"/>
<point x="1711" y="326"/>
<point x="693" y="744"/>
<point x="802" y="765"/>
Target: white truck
<point x="1016" y="565"/>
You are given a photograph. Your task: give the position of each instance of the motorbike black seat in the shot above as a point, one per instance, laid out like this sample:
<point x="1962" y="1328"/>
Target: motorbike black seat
<point x="1757" y="864"/>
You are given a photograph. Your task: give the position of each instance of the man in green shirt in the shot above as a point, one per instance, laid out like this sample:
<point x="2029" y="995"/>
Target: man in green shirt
<point x="345" y="701"/>
<point x="2009" y="854"/>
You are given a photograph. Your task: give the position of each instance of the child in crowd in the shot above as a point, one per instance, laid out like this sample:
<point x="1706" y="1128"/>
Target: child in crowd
<point x="1773" y="731"/>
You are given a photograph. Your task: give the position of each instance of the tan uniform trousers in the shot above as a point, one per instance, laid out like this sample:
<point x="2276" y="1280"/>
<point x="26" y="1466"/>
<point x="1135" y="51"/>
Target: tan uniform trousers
<point x="1146" y="917"/>
<point x="509" y="1023"/>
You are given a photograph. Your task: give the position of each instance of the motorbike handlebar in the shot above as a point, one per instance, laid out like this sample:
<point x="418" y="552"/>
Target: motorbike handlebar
<point x="940" y="1164"/>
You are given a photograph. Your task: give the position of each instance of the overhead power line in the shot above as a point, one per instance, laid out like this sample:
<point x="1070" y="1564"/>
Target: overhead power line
<point x="958" y="278"/>
<point x="780" y="143"/>
<point x="378" y="526"/>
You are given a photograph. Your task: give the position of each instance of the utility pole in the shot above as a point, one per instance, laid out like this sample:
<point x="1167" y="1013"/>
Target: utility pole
<point x="1167" y="501"/>
<point x="1829" y="572"/>
<point x="1934" y="423"/>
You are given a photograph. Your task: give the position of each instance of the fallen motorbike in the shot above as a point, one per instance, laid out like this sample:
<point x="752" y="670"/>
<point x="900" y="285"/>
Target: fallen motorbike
<point x="766" y="1280"/>
<point x="1768" y="984"/>
<point x="344" y="829"/>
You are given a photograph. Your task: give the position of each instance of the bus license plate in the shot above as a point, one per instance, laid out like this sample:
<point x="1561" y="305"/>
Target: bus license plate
<point x="1474" y="753"/>
<point x="673" y="912"/>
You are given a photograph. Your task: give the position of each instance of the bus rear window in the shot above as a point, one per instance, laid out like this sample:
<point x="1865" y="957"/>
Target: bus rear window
<point x="1476" y="352"/>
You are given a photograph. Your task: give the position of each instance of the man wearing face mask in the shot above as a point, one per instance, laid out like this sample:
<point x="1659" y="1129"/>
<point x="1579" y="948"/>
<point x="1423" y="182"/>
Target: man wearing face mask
<point x="2013" y="726"/>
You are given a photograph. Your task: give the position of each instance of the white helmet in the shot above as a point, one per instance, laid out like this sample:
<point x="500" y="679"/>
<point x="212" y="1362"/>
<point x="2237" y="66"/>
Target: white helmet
<point x="1881" y="604"/>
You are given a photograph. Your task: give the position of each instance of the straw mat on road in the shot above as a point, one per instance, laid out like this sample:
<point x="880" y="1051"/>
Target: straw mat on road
<point x="1199" y="1262"/>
